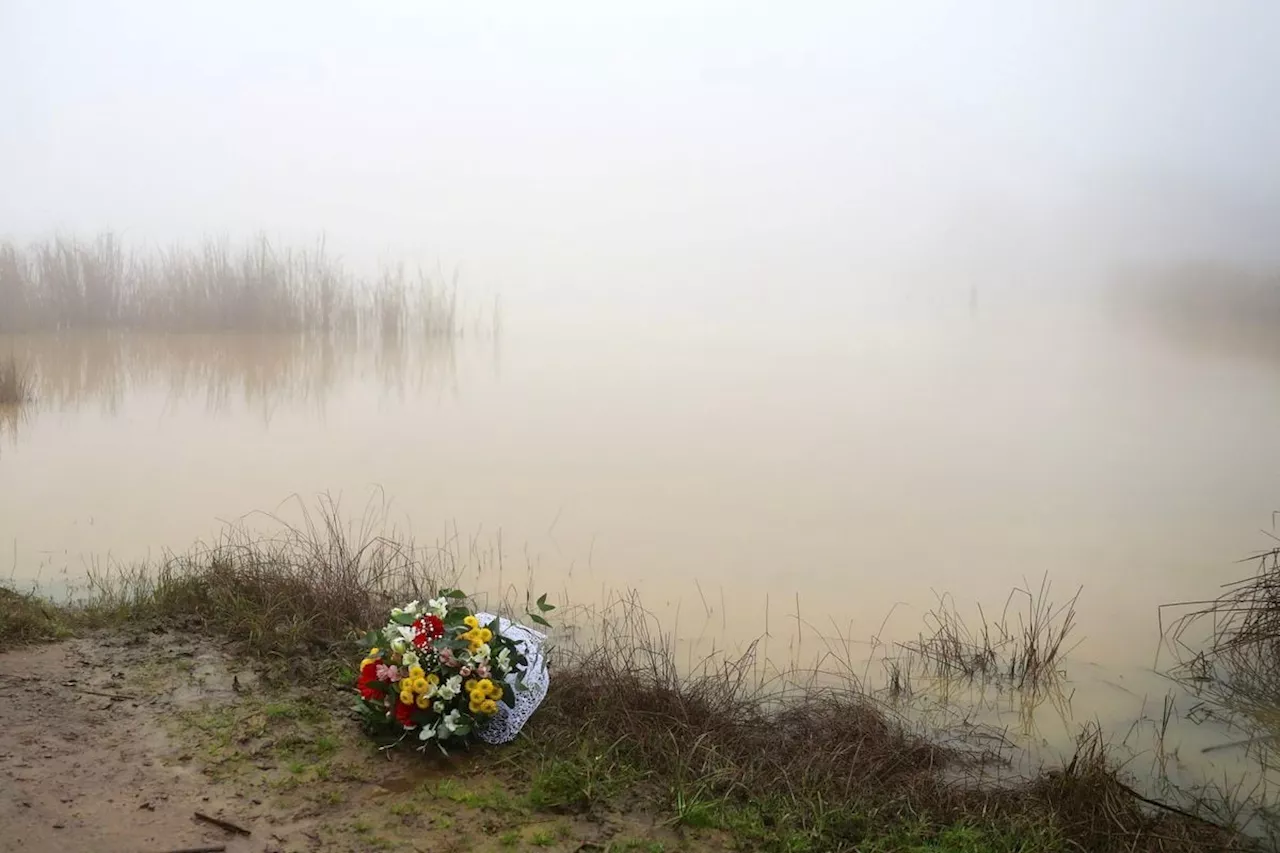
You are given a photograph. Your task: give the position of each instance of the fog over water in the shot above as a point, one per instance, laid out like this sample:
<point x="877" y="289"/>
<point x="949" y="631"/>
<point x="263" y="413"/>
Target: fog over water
<point x="834" y="306"/>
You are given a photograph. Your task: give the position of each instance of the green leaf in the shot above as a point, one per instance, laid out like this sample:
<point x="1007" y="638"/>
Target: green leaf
<point x="453" y="593"/>
<point x="536" y="618"/>
<point x="542" y="604"/>
<point x="403" y="619"/>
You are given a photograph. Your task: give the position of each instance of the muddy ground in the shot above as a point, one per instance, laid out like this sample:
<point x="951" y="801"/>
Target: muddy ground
<point x="114" y="743"/>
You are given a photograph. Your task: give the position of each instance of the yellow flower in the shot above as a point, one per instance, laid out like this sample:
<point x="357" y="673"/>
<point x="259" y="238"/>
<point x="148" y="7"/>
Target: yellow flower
<point x="416" y="672"/>
<point x="496" y="692"/>
<point x="470" y="684"/>
<point x="484" y="684"/>
<point x="419" y="685"/>
<point x="470" y="622"/>
<point x="424" y="703"/>
<point x="488" y="706"/>
<point x="366" y="662"/>
<point x="475" y="706"/>
<point x="485" y="635"/>
<point x="406" y="696"/>
<point x="433" y="679"/>
<point x="374" y="651"/>
<point x="477" y="696"/>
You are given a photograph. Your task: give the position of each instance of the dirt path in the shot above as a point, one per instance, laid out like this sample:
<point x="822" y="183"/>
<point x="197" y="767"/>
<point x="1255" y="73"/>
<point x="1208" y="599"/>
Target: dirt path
<point x="86" y="764"/>
<point x="114" y="743"/>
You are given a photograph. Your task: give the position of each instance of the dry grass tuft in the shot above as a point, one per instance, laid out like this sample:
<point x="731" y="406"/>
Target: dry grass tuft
<point x="807" y="761"/>
<point x="25" y="618"/>
<point x="1024" y="648"/>
<point x="1239" y="661"/>
<point x="304" y="591"/>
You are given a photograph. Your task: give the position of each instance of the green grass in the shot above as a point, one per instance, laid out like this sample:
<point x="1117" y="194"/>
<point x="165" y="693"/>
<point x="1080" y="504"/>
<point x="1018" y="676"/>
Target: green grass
<point x="404" y="808"/>
<point x="490" y="796"/>
<point x="970" y="838"/>
<point x="25" y="618"/>
<point x="635" y="845"/>
<point x="575" y="783"/>
<point x="510" y="838"/>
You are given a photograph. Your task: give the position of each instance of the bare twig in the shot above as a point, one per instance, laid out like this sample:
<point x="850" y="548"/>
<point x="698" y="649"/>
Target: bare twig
<point x="222" y="824"/>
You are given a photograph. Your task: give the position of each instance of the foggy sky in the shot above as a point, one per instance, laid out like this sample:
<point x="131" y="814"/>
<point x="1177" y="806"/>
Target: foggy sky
<point x="608" y="150"/>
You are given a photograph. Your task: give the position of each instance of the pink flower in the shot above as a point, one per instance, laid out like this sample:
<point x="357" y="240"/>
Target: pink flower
<point x="466" y="670"/>
<point x="388" y="673"/>
<point x="447" y="658"/>
<point x="483" y="670"/>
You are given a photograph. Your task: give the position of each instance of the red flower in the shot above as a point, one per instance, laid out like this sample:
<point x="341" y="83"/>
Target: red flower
<point x="369" y="674"/>
<point x="427" y="628"/>
<point x="404" y="714"/>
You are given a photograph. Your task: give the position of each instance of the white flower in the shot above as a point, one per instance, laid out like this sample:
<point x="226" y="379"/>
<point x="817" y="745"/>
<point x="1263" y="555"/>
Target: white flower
<point x="399" y="644"/>
<point x="451" y="720"/>
<point x="450" y="688"/>
<point x="412" y="607"/>
<point x="432" y="690"/>
<point x="481" y="654"/>
<point x="427" y="733"/>
<point x="438" y="606"/>
<point x="409" y="659"/>
<point x="438" y="707"/>
<point x="504" y="661"/>
<point x="396" y="611"/>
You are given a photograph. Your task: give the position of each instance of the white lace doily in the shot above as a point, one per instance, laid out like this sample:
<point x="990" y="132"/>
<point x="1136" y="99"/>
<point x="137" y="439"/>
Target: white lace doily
<point x="503" y="726"/>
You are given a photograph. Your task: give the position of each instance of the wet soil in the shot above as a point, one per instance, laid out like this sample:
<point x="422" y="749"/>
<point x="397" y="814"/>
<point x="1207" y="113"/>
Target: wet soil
<point x="114" y="743"/>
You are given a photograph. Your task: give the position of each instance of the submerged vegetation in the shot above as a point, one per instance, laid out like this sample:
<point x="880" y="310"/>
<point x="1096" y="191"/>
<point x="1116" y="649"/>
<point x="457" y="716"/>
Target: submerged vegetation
<point x="1023" y="648"/>
<point x="66" y="285"/>
<point x="1229" y="646"/>
<point x="801" y="760"/>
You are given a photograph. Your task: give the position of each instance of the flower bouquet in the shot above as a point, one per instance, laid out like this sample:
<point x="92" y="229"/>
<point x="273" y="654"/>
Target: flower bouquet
<point x="442" y="671"/>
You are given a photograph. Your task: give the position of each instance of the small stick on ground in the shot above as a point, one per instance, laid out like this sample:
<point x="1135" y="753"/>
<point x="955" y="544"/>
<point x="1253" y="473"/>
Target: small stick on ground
<point x="212" y="848"/>
<point x="222" y="824"/>
<point x="116" y="696"/>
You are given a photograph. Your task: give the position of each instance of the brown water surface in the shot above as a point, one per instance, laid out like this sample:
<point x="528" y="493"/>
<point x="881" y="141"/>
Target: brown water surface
<point x="740" y="473"/>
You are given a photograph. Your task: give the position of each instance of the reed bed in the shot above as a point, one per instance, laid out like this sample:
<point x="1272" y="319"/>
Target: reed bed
<point x="16" y="383"/>
<point x="73" y="285"/>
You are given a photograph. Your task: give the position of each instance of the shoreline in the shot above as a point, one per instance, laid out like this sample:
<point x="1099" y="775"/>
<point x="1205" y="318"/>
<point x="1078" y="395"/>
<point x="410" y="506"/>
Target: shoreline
<point x="704" y="761"/>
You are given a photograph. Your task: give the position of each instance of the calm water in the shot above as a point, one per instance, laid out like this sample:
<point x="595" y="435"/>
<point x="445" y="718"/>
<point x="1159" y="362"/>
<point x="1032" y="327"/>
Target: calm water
<point x="815" y="477"/>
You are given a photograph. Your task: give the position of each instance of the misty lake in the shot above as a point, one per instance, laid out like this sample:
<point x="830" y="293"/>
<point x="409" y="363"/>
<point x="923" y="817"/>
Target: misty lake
<point x="816" y="480"/>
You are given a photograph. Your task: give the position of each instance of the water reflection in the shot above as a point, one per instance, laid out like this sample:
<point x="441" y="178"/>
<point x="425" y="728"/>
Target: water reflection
<point x="254" y="372"/>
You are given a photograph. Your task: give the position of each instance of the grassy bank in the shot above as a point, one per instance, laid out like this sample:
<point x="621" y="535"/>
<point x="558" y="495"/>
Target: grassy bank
<point x="796" y="763"/>
<point x="72" y="285"/>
